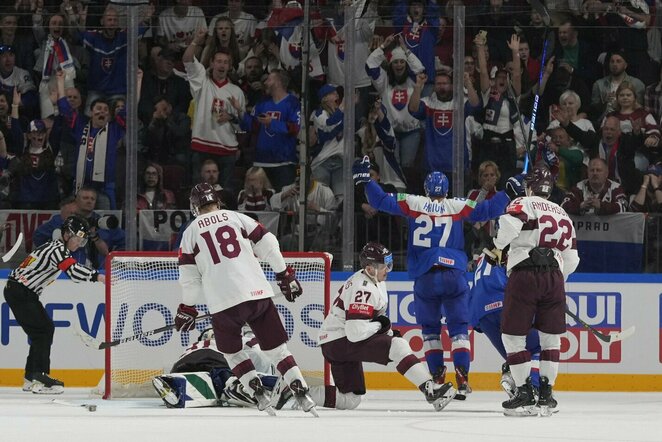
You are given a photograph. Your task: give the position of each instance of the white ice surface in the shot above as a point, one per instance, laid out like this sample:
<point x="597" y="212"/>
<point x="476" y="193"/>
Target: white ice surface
<point x="382" y="416"/>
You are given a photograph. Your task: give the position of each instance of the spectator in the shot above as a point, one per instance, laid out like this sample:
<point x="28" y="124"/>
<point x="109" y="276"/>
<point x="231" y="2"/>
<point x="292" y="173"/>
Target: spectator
<point x="36" y="173"/>
<point x="570" y="158"/>
<point x="378" y="141"/>
<point x="5" y="121"/>
<point x="437" y="112"/>
<point x="161" y="82"/>
<point x="151" y="194"/>
<point x="209" y="173"/>
<point x="11" y="76"/>
<point x="252" y="82"/>
<point x="370" y="225"/>
<point x="98" y="139"/>
<point x="54" y="53"/>
<point x="327" y="160"/>
<point x="629" y="19"/>
<point x="576" y="55"/>
<point x="167" y="137"/>
<point x="243" y="23"/>
<point x="321" y="222"/>
<point x="107" y="51"/>
<point x="569" y="104"/>
<point x="364" y="28"/>
<point x="653" y="99"/>
<point x="500" y="21"/>
<point x="649" y="197"/>
<point x="395" y="86"/>
<point x="223" y="38"/>
<point x="481" y="233"/>
<point x="179" y="24"/>
<point x="530" y="64"/>
<point x="418" y="25"/>
<point x="51" y="228"/>
<point x="257" y="191"/>
<point x="277" y="122"/>
<point x="596" y="195"/>
<point x="266" y="49"/>
<point x="22" y="42"/>
<point x="8" y="164"/>
<point x="218" y="104"/>
<point x="65" y="161"/>
<point x="634" y="118"/>
<point x="603" y="96"/>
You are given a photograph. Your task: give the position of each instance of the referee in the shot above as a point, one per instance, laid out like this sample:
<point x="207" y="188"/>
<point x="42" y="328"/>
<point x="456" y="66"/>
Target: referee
<point x="27" y="282"/>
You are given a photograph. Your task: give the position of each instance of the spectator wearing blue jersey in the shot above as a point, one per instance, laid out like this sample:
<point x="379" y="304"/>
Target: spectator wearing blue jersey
<point x="276" y="121"/>
<point x="436" y="260"/>
<point x="327" y="157"/>
<point x="485" y="306"/>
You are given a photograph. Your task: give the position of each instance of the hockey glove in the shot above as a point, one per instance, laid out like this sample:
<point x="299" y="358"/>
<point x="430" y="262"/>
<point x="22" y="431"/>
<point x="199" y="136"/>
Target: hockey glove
<point x="185" y="319"/>
<point x="384" y="322"/>
<point x="495" y="256"/>
<point x="361" y="171"/>
<point x="514" y="187"/>
<point x="288" y="284"/>
<point x="396" y="333"/>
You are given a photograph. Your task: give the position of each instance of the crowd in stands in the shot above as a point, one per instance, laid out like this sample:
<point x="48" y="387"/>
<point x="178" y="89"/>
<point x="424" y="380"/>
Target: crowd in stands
<point x="220" y="100"/>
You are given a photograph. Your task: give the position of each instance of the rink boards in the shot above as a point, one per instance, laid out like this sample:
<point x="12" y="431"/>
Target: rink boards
<point x="610" y="303"/>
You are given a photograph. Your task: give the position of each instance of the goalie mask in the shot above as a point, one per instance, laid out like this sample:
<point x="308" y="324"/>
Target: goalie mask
<point x="436" y="184"/>
<point x="201" y="195"/>
<point x="77" y="226"/>
<point x="376" y="255"/>
<point x="540" y="181"/>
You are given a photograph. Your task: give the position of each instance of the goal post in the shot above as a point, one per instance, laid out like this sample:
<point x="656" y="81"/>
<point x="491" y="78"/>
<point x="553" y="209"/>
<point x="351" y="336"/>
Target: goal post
<point x="143" y="292"/>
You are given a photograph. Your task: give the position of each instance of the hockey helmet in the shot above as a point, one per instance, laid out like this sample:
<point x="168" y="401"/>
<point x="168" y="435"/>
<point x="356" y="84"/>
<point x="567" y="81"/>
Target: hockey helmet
<point x="540" y="181"/>
<point x="201" y="195"/>
<point x="375" y="254"/>
<point x="77" y="226"/>
<point x="436" y="184"/>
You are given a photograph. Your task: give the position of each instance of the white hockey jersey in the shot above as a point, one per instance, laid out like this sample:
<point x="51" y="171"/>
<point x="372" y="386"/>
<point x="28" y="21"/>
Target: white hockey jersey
<point x="218" y="264"/>
<point x="210" y="98"/>
<point x="533" y="221"/>
<point x="359" y="300"/>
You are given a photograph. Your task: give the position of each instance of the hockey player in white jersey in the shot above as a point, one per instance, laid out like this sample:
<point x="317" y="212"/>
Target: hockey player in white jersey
<point x="543" y="253"/>
<point x="357" y="330"/>
<point x="218" y="266"/>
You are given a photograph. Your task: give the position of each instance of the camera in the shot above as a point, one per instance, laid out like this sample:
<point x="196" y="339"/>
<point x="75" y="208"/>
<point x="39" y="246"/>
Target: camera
<point x="105" y="222"/>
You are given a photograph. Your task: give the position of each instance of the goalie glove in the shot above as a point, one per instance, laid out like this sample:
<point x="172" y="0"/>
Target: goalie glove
<point x="361" y="171"/>
<point x="185" y="319"/>
<point x="288" y="284"/>
<point x="384" y="322"/>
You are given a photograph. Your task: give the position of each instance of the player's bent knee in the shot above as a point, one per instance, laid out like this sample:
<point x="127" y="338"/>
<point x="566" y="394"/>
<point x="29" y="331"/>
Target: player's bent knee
<point x="347" y="401"/>
<point x="278" y="354"/>
<point x="549" y="341"/>
<point x="513" y="343"/>
<point x="399" y="349"/>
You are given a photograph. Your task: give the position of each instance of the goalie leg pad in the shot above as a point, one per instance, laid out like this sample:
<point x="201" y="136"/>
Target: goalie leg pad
<point x="186" y="390"/>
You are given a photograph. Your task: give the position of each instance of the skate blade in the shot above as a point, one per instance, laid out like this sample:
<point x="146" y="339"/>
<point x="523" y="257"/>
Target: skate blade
<point x="270" y="411"/>
<point x="41" y="389"/>
<point x="441" y="403"/>
<point x="527" y="411"/>
<point x="313" y="411"/>
<point x="546" y="411"/>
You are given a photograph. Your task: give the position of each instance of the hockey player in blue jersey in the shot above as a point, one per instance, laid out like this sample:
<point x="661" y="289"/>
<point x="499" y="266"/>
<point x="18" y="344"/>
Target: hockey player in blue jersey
<point x="485" y="306"/>
<point x="436" y="260"/>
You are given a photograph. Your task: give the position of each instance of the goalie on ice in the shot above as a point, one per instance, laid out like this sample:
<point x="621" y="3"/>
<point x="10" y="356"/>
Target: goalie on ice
<point x="201" y="377"/>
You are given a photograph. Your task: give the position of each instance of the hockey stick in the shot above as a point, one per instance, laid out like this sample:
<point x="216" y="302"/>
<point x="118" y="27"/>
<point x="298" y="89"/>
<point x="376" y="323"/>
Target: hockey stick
<point x="540" y="9"/>
<point x="7" y="256"/>
<point x="90" y="407"/>
<point x="612" y="337"/>
<point x="91" y="342"/>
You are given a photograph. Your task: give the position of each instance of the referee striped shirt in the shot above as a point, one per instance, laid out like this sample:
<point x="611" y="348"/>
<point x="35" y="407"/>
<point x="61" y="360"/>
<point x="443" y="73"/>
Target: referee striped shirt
<point x="45" y="264"/>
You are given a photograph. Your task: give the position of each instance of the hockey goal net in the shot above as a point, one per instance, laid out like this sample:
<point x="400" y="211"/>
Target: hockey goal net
<point x="143" y="292"/>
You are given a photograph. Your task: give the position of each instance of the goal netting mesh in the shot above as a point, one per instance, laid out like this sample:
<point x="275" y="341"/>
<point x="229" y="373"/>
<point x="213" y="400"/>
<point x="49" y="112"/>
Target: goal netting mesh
<point x="143" y="292"/>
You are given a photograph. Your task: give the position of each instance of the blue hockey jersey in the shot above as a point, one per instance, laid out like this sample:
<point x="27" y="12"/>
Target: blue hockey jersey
<point x="436" y="234"/>
<point x="486" y="295"/>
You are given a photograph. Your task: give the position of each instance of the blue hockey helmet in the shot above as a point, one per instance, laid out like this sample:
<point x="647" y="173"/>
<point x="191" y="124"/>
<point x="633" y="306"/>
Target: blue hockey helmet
<point x="436" y="184"/>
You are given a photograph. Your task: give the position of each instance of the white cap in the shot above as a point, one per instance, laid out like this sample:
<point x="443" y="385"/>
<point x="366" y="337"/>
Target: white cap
<point x="397" y="54"/>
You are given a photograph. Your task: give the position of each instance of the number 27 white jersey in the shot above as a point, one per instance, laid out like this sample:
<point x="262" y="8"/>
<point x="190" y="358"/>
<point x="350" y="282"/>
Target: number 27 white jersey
<point x="217" y="262"/>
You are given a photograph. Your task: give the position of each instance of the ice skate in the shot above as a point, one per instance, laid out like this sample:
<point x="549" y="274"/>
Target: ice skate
<point x="546" y="401"/>
<point x="27" y="384"/>
<point x="234" y="394"/>
<point x="507" y="381"/>
<point x="523" y="403"/>
<point x="165" y="392"/>
<point x="303" y="399"/>
<point x="462" y="379"/>
<point x="439" y="395"/>
<point x="280" y="394"/>
<point x="42" y="383"/>
<point x="263" y="401"/>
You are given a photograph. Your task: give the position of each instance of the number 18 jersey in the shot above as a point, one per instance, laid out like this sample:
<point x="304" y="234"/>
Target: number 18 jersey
<point x="217" y="262"/>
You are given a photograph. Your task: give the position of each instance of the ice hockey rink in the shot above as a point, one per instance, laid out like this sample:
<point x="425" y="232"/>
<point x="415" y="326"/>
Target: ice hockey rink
<point x="382" y="416"/>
